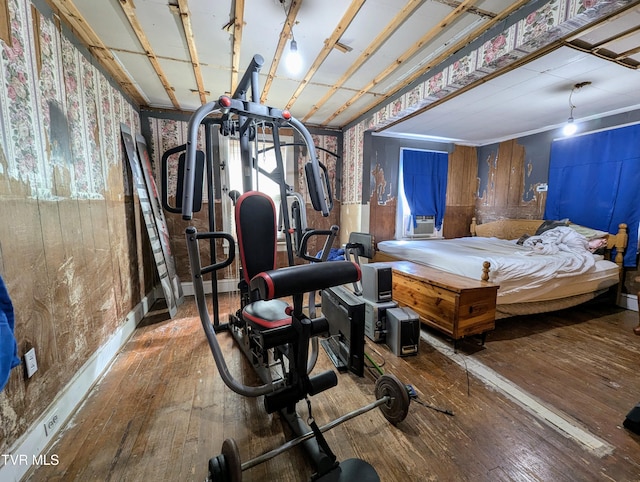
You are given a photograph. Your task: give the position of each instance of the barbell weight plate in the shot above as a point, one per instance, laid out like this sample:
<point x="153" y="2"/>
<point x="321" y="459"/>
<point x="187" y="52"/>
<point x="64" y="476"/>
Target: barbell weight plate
<point x="397" y="408"/>
<point x="218" y="469"/>
<point x="232" y="458"/>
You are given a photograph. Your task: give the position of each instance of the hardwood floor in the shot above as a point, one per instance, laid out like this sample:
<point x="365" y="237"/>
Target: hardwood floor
<point x="162" y="410"/>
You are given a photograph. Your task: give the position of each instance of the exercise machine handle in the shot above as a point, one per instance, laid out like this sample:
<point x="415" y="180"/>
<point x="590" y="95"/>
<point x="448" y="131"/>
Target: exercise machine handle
<point x="165" y="180"/>
<point x="314" y="181"/>
<point x="215" y="235"/>
<point x="331" y="235"/>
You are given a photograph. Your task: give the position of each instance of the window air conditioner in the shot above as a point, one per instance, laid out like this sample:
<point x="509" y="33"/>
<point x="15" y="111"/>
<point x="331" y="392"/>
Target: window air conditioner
<point x="425" y="227"/>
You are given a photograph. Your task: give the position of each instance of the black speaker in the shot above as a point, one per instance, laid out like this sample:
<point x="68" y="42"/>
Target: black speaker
<point x="632" y="422"/>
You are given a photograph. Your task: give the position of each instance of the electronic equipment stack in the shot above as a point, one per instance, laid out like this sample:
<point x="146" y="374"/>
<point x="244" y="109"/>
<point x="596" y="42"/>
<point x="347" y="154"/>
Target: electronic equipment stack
<point x="377" y="296"/>
<point x="403" y="331"/>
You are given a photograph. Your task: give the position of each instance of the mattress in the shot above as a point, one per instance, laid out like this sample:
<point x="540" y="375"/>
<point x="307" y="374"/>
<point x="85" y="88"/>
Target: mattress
<point x="523" y="276"/>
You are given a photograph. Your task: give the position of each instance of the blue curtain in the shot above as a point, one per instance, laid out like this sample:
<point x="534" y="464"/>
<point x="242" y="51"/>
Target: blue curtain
<point x="424" y="176"/>
<point x="594" y="180"/>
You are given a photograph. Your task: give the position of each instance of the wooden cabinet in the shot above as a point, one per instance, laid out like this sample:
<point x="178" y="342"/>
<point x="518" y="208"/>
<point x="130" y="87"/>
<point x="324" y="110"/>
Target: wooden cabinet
<point x="455" y="305"/>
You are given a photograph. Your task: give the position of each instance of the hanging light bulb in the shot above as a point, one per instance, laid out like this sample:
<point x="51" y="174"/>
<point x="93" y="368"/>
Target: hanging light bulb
<point x="570" y="127"/>
<point x="293" y="60"/>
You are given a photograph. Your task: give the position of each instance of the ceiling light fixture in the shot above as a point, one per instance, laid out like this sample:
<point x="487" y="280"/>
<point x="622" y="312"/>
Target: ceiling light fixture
<point x="293" y="60"/>
<point x="570" y="127"/>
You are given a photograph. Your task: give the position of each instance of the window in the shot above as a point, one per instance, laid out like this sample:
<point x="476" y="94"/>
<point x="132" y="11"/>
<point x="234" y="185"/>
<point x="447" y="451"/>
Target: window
<point x="421" y="193"/>
<point x="266" y="158"/>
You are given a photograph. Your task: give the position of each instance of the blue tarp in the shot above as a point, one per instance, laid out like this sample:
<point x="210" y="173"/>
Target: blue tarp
<point x="8" y="346"/>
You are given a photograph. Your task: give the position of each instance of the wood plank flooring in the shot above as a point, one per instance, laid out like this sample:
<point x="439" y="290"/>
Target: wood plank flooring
<point x="162" y="410"/>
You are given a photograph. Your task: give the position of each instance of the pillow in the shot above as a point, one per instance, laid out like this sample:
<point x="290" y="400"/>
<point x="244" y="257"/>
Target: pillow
<point x="550" y="224"/>
<point x="588" y="233"/>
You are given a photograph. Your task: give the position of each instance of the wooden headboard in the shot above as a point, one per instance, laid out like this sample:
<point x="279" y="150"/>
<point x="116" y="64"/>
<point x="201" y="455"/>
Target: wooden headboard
<point x="514" y="228"/>
<point x="505" y="228"/>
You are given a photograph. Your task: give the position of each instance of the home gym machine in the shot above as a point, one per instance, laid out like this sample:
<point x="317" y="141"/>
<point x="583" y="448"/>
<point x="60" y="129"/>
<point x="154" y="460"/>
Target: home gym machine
<point x="274" y="336"/>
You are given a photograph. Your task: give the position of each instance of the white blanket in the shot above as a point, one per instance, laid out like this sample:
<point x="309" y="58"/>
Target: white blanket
<point x="517" y="269"/>
<point x="578" y="258"/>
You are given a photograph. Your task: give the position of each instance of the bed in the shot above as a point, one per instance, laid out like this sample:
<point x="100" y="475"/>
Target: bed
<point x="539" y="265"/>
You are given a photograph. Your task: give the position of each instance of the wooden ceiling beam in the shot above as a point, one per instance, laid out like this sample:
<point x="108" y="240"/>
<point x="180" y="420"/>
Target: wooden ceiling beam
<point x="419" y="45"/>
<point x="130" y="12"/>
<point x="442" y="57"/>
<point x="294" y="8"/>
<point x="238" y="26"/>
<point x="615" y="38"/>
<point x="611" y="18"/>
<point x="67" y="12"/>
<point x="474" y="10"/>
<point x="185" y="17"/>
<point x="329" y="45"/>
<point x="382" y="37"/>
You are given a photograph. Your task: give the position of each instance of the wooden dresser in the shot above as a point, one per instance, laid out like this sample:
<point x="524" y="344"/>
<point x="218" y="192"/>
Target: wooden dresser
<point x="453" y="304"/>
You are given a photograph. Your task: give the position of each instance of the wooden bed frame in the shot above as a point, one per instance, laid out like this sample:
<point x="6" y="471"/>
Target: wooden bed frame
<point x="513" y="229"/>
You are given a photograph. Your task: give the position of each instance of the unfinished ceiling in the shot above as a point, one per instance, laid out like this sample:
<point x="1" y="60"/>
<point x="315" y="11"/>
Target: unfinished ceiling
<point x="357" y="55"/>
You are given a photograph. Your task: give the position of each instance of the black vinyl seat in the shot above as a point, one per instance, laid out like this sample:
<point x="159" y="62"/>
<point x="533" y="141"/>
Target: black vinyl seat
<point x="256" y="229"/>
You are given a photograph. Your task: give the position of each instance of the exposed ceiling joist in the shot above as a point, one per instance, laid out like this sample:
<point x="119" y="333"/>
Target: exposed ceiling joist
<point x="442" y="57"/>
<point x="609" y="47"/>
<point x="132" y="42"/>
<point x="238" y="25"/>
<point x="68" y="13"/>
<point x="185" y="17"/>
<point x="382" y="37"/>
<point x="130" y="11"/>
<point x="329" y="45"/>
<point x="294" y="8"/>
<point x="405" y="56"/>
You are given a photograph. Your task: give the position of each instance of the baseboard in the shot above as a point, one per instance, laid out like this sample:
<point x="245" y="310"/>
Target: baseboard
<point x="224" y="286"/>
<point x="28" y="450"/>
<point x="629" y="302"/>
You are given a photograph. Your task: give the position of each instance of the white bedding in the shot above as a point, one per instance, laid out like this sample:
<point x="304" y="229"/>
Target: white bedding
<point x="523" y="273"/>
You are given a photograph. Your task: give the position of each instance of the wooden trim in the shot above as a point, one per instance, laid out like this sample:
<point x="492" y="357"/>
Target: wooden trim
<point x="35" y="18"/>
<point x="5" y="23"/>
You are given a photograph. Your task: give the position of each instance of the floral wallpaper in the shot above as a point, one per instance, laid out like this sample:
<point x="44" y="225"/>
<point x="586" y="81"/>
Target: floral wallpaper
<point x="93" y="110"/>
<point x="167" y="134"/>
<point x="550" y="22"/>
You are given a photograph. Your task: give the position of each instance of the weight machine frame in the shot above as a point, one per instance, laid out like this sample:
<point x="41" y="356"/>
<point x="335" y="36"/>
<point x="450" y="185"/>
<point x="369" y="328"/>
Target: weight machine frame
<point x="392" y="396"/>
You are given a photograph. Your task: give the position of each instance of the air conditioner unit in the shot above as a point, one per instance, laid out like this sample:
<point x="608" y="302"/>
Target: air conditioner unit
<point x="425" y="227"/>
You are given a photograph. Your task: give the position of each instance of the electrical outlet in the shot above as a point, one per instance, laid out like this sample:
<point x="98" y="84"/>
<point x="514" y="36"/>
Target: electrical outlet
<point x="30" y="362"/>
<point x="51" y="424"/>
